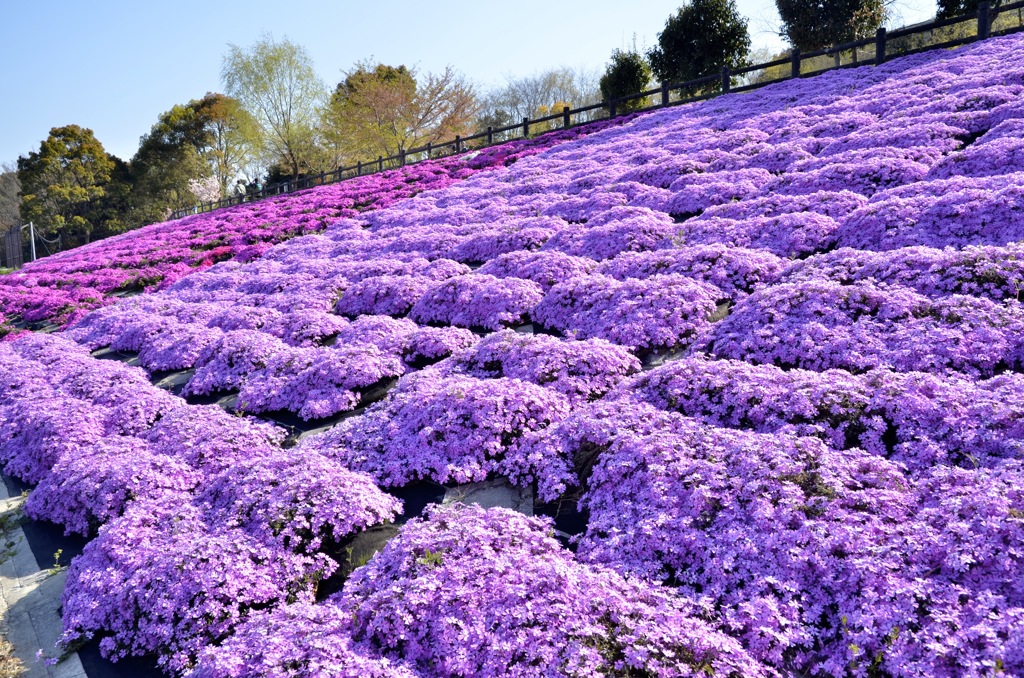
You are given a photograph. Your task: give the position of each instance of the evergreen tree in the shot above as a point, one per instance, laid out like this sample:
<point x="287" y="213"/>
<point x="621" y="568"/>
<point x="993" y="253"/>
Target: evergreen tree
<point x="169" y="157"/>
<point x="950" y="8"/>
<point x="628" y="73"/>
<point x="64" y="185"/>
<point x="700" y="39"/>
<point x="818" y="24"/>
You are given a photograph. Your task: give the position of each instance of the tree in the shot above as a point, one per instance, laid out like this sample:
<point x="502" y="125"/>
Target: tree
<point x="385" y="110"/>
<point x="192" y="154"/>
<point x="533" y="96"/>
<point x="951" y="8"/>
<point x="819" y="24"/>
<point x="169" y="157"/>
<point x="700" y="39"/>
<point x="276" y="83"/>
<point x="63" y="185"/>
<point x="112" y="214"/>
<point x="10" y="198"/>
<point x="234" y="140"/>
<point x="628" y="73"/>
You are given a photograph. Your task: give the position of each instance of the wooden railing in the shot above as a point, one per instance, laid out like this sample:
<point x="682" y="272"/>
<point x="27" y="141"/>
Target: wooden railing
<point x="936" y="34"/>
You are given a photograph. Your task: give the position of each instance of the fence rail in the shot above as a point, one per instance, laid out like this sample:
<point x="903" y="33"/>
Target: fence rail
<point x="936" y="34"/>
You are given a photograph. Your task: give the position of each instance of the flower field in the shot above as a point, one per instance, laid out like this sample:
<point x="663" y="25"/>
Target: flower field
<point x="757" y="364"/>
<point x="61" y="288"/>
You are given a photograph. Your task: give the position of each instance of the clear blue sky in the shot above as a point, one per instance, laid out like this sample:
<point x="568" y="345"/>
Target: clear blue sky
<point x="114" y="66"/>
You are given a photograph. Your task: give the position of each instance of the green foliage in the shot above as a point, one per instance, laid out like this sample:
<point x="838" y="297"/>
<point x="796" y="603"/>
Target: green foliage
<point x="234" y="140"/>
<point x="628" y="73"/>
<point x="203" y="145"/>
<point x="113" y="212"/>
<point x="278" y="86"/>
<point x="381" y="110"/>
<point x="432" y="559"/>
<point x="367" y="108"/>
<point x="64" y="185"/>
<point x="169" y="157"/>
<point x="10" y="188"/>
<point x="951" y="8"/>
<point x="701" y="39"/>
<point x="816" y="25"/>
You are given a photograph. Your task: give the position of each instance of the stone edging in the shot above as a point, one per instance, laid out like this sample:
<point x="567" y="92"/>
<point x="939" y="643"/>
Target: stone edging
<point x="29" y="601"/>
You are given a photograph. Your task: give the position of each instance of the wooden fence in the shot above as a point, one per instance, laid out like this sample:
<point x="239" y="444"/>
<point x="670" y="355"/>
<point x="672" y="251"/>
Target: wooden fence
<point x="988" y="21"/>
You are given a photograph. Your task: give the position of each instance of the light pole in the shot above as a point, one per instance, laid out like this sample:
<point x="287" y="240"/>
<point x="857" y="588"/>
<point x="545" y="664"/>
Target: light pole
<point x="32" y="237"/>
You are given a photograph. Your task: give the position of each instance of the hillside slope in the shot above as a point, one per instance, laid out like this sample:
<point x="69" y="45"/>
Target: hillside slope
<point x="60" y="288"/>
<point x="758" y="359"/>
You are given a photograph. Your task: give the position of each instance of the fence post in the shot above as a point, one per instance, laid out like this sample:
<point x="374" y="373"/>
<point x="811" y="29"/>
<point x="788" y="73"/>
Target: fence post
<point x="490" y="135"/>
<point x="429" y="144"/>
<point x="565" y="117"/>
<point x="726" y="79"/>
<point x="526" y="128"/>
<point x="401" y="157"/>
<point x="880" y="47"/>
<point x="380" y="163"/>
<point x="611" y="107"/>
<point x="796" y="63"/>
<point x="984" y="25"/>
<point x="359" y="168"/>
<point x="458" y="144"/>
<point x="664" y="93"/>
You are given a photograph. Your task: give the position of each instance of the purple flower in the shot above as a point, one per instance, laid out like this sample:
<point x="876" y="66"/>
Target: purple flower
<point x="822" y="325"/>
<point x="318" y="382"/>
<point x="158" y="580"/>
<point x="735" y="271"/>
<point x="477" y="300"/>
<point x="86" y="489"/>
<point x="445" y="428"/>
<point x="295" y="500"/>
<point x="580" y="370"/>
<point x="545" y="268"/>
<point x="470" y="591"/>
<point x="383" y="295"/>
<point x="663" y="311"/>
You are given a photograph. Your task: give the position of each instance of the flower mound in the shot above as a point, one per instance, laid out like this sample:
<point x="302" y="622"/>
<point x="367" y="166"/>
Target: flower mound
<point x="445" y="428"/>
<point x="160" y="580"/>
<point x="487" y="592"/>
<point x="86" y="490"/>
<point x="822" y="325"/>
<point x="816" y="558"/>
<point x="296" y="501"/>
<point x="477" y="300"/>
<point x="664" y="311"/>
<point x="579" y="370"/>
